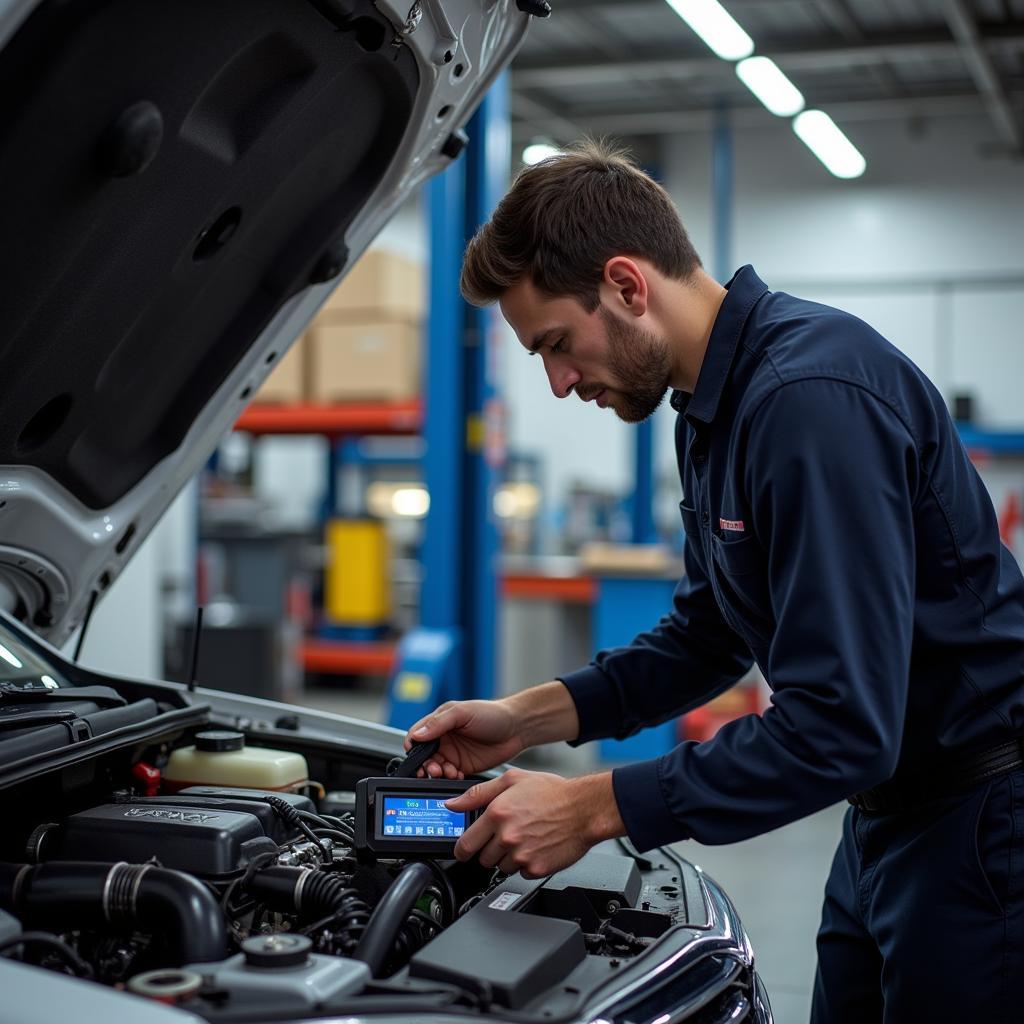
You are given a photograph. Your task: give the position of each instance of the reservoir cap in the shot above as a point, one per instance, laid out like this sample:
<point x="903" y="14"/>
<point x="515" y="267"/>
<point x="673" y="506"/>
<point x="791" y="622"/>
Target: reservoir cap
<point x="216" y="740"/>
<point x="277" y="950"/>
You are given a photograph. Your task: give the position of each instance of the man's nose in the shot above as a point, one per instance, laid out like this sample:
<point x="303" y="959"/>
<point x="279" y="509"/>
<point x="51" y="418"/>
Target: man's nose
<point x="562" y="379"/>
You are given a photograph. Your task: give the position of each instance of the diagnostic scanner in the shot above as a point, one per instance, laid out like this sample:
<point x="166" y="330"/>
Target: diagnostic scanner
<point x="400" y="817"/>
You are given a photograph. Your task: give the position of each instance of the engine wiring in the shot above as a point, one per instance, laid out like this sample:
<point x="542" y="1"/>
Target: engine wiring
<point x="496" y="879"/>
<point x="231" y="916"/>
<point x="297" y="819"/>
<point x="79" y="967"/>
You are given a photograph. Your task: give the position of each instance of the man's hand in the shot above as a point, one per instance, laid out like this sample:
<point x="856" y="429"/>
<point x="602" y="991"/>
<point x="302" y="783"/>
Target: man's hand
<point x="479" y="734"/>
<point x="537" y="823"/>
<point x="475" y="735"/>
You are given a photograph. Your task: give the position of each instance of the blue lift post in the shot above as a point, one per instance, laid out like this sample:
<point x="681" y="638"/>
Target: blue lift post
<point x="643" y="529"/>
<point x="487" y="171"/>
<point x="722" y="192"/>
<point x="641" y="509"/>
<point x="451" y="655"/>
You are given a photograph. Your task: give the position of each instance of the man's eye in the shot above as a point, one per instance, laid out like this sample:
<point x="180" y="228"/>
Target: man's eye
<point x="559" y="346"/>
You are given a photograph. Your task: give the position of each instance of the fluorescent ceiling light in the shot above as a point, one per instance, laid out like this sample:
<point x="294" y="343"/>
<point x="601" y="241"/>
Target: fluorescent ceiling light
<point x="716" y="26"/>
<point x="763" y="77"/>
<point x="824" y="138"/>
<point x="537" y="151"/>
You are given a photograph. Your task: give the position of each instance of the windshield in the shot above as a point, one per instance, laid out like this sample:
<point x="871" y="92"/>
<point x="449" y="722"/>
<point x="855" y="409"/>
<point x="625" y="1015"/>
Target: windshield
<point x="22" y="670"/>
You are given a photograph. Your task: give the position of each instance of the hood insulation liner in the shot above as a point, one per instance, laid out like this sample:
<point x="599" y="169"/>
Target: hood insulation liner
<point x="172" y="173"/>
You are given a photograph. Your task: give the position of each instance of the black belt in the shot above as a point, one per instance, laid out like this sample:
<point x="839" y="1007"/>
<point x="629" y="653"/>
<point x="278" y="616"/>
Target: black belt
<point x="955" y="776"/>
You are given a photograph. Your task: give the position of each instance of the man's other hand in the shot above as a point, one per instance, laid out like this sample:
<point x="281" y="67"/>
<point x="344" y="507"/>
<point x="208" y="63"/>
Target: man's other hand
<point x="475" y="735"/>
<point x="537" y="823"/>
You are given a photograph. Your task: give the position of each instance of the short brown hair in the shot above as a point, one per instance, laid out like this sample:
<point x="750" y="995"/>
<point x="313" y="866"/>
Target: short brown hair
<point x="565" y="217"/>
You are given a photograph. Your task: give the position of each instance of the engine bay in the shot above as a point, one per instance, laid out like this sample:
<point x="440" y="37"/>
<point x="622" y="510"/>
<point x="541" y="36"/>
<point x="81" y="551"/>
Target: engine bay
<point x="242" y="903"/>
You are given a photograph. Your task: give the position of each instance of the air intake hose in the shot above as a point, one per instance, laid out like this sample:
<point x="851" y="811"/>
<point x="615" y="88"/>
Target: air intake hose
<point x="390" y="915"/>
<point x="63" y="894"/>
<point x="313" y="895"/>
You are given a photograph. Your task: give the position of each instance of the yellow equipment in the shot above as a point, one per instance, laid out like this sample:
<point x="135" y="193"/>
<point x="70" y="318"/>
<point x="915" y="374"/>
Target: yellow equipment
<point x="357" y="591"/>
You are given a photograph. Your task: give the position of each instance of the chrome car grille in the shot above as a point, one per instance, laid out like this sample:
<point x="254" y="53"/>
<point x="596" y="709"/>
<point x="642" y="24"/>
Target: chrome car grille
<point x="718" y="989"/>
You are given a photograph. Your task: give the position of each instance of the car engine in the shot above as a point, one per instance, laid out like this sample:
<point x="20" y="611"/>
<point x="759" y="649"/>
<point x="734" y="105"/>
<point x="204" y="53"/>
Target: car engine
<point x="236" y="902"/>
<point x="212" y="870"/>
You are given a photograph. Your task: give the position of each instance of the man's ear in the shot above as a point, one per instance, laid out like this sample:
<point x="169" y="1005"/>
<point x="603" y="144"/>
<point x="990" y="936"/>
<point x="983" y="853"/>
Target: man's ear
<point x="624" y="286"/>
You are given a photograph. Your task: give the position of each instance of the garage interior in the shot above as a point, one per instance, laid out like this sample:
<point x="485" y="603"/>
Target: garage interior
<point x="406" y="475"/>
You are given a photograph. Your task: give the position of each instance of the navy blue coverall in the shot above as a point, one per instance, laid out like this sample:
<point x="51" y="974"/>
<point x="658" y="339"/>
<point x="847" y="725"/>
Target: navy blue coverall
<point x="838" y="535"/>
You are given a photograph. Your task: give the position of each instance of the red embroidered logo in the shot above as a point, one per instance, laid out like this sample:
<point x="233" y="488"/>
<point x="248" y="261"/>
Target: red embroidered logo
<point x="731" y="524"/>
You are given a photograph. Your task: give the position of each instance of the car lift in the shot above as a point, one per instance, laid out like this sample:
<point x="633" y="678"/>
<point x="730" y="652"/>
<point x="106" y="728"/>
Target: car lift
<point x="452" y="653"/>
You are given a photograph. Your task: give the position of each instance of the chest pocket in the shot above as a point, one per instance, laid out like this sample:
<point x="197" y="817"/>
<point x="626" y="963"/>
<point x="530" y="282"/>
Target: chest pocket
<point x="742" y="571"/>
<point x="691" y="526"/>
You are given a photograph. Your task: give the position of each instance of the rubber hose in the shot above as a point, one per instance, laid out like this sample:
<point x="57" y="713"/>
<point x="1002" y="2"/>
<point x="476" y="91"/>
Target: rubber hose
<point x="156" y="900"/>
<point x="389" y="916"/>
<point x="312" y="894"/>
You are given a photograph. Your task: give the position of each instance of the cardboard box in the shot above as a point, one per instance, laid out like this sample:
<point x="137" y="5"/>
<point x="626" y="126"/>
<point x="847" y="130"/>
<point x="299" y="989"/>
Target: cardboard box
<point x="381" y="286"/>
<point x="287" y="382"/>
<point x="357" y="362"/>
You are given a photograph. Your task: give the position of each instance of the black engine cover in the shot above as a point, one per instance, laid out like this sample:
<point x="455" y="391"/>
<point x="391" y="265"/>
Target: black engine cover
<point x="516" y="955"/>
<point x="202" y="841"/>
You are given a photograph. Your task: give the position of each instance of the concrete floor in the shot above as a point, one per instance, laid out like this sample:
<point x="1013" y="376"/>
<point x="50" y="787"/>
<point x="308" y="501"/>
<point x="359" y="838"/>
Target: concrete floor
<point x="776" y="880"/>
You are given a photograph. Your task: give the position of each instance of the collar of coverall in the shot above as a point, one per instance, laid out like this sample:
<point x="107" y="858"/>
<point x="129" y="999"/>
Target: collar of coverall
<point x="743" y="292"/>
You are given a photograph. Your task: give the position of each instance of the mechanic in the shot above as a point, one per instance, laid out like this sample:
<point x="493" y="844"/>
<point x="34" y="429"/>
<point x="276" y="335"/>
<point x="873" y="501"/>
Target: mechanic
<point x="838" y="535"/>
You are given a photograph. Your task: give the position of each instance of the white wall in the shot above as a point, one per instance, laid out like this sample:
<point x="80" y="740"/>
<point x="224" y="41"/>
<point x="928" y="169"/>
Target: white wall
<point x="928" y="246"/>
<point x="406" y="232"/>
<point x="126" y="634"/>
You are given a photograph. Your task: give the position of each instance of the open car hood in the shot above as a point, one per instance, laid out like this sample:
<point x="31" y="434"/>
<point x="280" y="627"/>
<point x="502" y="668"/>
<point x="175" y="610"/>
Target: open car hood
<point x="184" y="185"/>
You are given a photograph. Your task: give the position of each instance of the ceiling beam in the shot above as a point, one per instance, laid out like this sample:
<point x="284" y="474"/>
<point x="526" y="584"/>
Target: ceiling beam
<point x="838" y="13"/>
<point x="553" y="70"/>
<point x="670" y="122"/>
<point x="986" y="78"/>
<point x="593" y="28"/>
<point x="534" y="112"/>
<point x="841" y="17"/>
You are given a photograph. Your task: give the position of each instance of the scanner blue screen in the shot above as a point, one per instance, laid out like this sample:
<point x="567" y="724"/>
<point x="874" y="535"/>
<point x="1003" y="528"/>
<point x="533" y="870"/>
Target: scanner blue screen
<point x="421" y="817"/>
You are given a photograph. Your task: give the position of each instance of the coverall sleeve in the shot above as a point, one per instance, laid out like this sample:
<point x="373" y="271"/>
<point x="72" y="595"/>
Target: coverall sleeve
<point x="686" y="659"/>
<point x="830" y="474"/>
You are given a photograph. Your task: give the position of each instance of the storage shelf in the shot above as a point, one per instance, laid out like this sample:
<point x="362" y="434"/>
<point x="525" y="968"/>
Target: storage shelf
<point x="568" y="589"/>
<point x="335" y="657"/>
<point x="333" y="420"/>
<point x="377" y="658"/>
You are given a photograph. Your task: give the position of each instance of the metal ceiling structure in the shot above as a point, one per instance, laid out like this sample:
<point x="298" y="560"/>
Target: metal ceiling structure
<point x="633" y="68"/>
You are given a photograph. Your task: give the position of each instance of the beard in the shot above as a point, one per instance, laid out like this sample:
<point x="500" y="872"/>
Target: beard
<point x="640" y="363"/>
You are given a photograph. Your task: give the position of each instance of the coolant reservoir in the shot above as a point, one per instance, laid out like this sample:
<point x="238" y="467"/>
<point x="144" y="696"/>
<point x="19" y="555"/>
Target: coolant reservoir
<point x="221" y="758"/>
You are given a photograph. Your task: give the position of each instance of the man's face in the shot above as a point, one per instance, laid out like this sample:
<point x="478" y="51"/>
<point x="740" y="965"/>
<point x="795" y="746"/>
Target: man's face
<point x="600" y="356"/>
